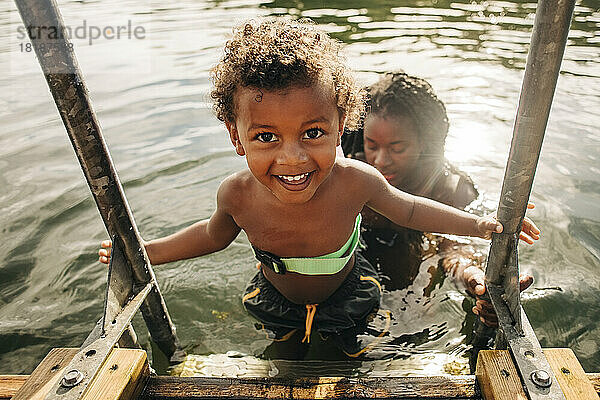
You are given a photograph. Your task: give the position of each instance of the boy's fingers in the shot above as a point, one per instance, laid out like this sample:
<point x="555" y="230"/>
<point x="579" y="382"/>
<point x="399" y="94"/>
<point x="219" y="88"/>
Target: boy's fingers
<point x="474" y="279"/>
<point x="530" y="206"/>
<point x="497" y="227"/>
<point x="479" y="289"/>
<point x="533" y="235"/>
<point x="488" y="225"/>
<point x="106" y="244"/>
<point x="530" y="226"/>
<point x="525" y="238"/>
<point x="484" y="305"/>
<point x="104" y="252"/>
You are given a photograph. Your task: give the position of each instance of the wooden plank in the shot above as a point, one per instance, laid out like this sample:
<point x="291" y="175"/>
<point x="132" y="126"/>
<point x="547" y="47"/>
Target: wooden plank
<point x="497" y="376"/>
<point x="570" y="374"/>
<point x="121" y="377"/>
<point x="10" y="384"/>
<point x="164" y="387"/>
<point x="594" y="377"/>
<point x="498" y="379"/>
<point x="45" y="374"/>
<point x="451" y="387"/>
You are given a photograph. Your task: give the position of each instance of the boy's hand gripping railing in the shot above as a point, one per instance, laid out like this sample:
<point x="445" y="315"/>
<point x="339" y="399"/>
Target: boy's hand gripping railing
<point x="549" y="37"/>
<point x="132" y="282"/>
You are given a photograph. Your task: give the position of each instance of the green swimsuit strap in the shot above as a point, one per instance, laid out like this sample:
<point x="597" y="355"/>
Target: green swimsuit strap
<point x="327" y="264"/>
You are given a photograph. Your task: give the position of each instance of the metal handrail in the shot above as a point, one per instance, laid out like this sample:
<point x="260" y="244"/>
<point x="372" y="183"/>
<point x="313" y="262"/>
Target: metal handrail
<point x="66" y="83"/>
<point x="548" y="42"/>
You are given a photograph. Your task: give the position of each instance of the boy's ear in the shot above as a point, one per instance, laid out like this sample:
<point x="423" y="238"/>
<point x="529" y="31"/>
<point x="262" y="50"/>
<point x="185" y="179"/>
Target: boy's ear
<point x="235" y="138"/>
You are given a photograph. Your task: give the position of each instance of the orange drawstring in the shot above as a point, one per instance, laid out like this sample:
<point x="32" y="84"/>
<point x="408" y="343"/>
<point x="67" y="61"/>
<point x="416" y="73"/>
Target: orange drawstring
<point x="250" y="295"/>
<point x="388" y="321"/>
<point x="311" y="309"/>
<point x="370" y="278"/>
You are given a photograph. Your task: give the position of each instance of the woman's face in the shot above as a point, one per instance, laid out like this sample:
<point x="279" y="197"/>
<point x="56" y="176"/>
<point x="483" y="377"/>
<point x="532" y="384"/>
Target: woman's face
<point x="392" y="146"/>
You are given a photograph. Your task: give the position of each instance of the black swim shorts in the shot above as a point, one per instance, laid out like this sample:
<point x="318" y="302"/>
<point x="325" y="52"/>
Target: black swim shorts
<point x="344" y="314"/>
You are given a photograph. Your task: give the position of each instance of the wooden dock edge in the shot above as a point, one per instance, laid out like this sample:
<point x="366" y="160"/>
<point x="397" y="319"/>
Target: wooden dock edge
<point x="435" y="387"/>
<point x="161" y="387"/>
<point x="498" y="378"/>
<point x="122" y="376"/>
<point x="166" y="387"/>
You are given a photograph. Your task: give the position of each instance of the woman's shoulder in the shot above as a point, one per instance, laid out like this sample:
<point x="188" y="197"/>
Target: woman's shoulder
<point x="454" y="187"/>
<point x="353" y="142"/>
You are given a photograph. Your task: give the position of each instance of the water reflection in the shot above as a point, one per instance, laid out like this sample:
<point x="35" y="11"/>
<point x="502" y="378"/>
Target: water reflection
<point x="470" y="30"/>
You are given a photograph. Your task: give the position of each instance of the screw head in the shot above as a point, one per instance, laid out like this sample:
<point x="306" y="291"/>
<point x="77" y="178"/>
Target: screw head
<point x="541" y="378"/>
<point x="72" y="378"/>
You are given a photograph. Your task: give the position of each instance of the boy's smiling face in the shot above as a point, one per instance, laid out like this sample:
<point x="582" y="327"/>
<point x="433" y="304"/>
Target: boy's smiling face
<point x="288" y="136"/>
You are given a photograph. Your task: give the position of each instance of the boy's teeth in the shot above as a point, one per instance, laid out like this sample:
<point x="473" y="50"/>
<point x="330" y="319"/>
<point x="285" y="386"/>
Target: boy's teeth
<point x="293" y="177"/>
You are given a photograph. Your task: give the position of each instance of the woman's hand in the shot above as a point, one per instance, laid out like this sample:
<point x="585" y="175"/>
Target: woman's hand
<point x="474" y="280"/>
<point x="105" y="252"/>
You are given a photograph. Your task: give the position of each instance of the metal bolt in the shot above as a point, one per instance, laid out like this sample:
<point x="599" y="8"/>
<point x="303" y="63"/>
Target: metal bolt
<point x="541" y="378"/>
<point x="72" y="378"/>
<point x="529" y="354"/>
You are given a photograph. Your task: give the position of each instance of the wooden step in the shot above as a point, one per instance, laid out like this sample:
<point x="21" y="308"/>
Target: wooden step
<point x="122" y="376"/>
<point x="499" y="380"/>
<point x="165" y="387"/>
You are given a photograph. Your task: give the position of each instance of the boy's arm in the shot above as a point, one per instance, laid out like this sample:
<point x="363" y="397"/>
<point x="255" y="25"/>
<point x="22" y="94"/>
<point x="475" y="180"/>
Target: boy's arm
<point x="200" y="238"/>
<point x="203" y="237"/>
<point x="420" y="213"/>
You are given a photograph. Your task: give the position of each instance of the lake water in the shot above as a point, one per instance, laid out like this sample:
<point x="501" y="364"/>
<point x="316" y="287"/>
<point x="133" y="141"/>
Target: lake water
<point x="151" y="98"/>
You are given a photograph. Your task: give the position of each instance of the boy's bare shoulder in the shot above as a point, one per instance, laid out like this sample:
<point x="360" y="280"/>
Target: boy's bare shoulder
<point x="235" y="188"/>
<point x="239" y="179"/>
<point x="359" y="171"/>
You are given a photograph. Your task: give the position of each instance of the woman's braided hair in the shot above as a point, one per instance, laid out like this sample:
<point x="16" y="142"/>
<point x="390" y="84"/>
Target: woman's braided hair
<point x="398" y="94"/>
<point x="276" y="53"/>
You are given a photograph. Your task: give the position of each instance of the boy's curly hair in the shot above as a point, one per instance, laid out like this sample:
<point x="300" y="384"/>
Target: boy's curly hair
<point x="276" y="53"/>
<point x="398" y="94"/>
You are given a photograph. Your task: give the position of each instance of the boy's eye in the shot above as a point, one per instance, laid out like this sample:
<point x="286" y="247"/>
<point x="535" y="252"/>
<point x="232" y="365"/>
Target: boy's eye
<point x="313" y="133"/>
<point x="399" y="150"/>
<point x="266" y="137"/>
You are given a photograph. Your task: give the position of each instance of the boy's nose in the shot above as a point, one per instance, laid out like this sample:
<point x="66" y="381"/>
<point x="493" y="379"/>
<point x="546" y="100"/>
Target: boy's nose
<point x="292" y="153"/>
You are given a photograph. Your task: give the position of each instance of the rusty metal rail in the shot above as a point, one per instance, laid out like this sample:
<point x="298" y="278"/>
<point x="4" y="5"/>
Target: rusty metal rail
<point x="132" y="283"/>
<point x="549" y="38"/>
